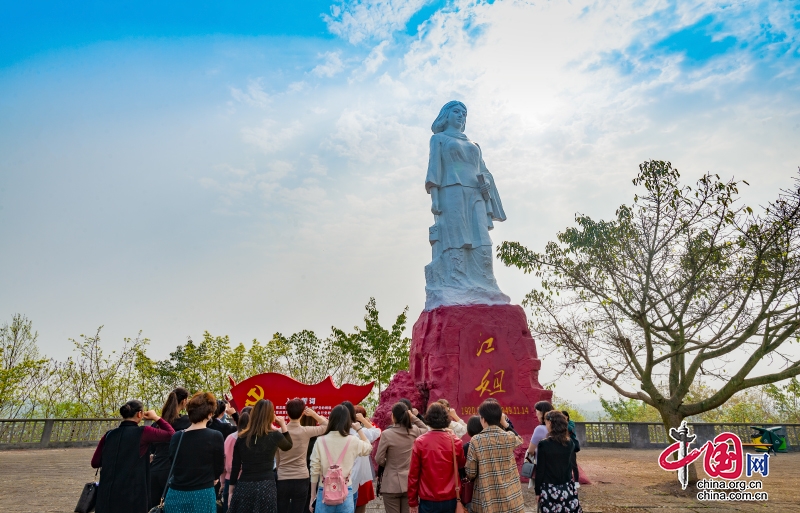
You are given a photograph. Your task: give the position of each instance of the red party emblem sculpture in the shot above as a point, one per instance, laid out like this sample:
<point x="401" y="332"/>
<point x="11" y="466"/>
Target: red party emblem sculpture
<point x="280" y="389"/>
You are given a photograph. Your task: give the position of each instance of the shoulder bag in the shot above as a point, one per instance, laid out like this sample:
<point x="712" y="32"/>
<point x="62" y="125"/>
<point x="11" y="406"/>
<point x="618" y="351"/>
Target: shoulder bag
<point x="459" y="505"/>
<point x="528" y="467"/>
<point x="88" y="498"/>
<point x="160" y="507"/>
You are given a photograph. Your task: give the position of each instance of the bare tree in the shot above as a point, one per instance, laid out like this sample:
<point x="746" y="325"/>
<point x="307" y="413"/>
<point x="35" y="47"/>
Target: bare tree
<point x="685" y="283"/>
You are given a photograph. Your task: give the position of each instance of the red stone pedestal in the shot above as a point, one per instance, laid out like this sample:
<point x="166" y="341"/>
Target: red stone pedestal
<point x="467" y="354"/>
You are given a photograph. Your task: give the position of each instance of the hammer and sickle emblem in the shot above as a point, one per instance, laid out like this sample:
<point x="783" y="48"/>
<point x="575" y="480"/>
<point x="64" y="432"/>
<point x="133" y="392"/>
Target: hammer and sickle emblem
<point x="254" y="396"/>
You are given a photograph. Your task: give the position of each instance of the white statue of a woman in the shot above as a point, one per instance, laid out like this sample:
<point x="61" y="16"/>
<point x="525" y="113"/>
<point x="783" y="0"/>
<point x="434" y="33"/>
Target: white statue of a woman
<point x="464" y="203"/>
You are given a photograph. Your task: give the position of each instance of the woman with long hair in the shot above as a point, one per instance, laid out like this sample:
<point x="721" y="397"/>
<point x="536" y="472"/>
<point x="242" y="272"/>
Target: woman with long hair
<point x="394" y="454"/>
<point x="555" y="490"/>
<point x="198" y="456"/>
<point x="540" y="432"/>
<point x="335" y="445"/>
<point x="431" y="476"/>
<point x="159" y="466"/>
<point x="230" y="442"/>
<point x="123" y="455"/>
<point x="254" y="491"/>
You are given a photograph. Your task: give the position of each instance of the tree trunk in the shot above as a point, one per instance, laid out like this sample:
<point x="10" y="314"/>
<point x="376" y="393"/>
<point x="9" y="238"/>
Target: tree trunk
<point x="672" y="419"/>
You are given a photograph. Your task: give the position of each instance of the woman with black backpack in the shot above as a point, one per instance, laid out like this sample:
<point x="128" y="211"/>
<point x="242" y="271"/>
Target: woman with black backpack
<point x="123" y="454"/>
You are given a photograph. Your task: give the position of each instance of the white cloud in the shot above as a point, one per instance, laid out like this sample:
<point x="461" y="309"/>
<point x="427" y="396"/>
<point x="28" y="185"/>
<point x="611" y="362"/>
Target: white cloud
<point x="332" y="65"/>
<point x="372" y="62"/>
<point x="374" y="135"/>
<point x="360" y="20"/>
<point x="298" y="86"/>
<point x="254" y="96"/>
<point x="317" y="167"/>
<point x="272" y="136"/>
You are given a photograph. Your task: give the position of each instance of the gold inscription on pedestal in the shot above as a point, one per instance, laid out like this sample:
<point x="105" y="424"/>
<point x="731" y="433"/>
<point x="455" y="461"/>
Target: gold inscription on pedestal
<point x="495" y="386"/>
<point x="508" y="410"/>
<point x="486" y="346"/>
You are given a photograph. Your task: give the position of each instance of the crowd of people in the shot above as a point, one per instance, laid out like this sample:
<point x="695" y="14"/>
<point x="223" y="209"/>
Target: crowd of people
<point x="213" y="459"/>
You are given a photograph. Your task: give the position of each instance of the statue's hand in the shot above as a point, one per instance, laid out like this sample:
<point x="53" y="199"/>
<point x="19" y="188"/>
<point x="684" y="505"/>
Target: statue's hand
<point x="485" y="188"/>
<point x="435" y="209"/>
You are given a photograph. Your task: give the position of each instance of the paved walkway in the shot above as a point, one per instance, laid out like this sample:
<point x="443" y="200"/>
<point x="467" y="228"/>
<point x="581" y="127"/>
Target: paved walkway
<point x="44" y="481"/>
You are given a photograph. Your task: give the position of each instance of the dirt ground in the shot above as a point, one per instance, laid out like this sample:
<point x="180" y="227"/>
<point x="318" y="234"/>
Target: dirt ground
<point x="624" y="480"/>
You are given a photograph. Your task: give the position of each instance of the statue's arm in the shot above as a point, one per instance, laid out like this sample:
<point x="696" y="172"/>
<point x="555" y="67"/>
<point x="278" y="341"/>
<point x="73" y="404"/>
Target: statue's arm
<point x="498" y="214"/>
<point x="434" y="178"/>
<point x="435" y="210"/>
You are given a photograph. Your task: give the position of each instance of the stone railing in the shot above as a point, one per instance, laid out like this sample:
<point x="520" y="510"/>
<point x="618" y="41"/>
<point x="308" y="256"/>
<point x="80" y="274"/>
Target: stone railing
<point x="646" y="435"/>
<point x="52" y="433"/>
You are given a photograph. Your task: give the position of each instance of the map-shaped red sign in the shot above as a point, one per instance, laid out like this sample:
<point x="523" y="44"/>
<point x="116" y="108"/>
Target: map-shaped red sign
<point x="280" y="389"/>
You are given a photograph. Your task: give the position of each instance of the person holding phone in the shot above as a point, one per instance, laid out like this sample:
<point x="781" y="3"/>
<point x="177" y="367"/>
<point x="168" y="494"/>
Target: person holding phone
<point x="124" y="456"/>
<point x="198" y="456"/>
<point x="254" y="491"/>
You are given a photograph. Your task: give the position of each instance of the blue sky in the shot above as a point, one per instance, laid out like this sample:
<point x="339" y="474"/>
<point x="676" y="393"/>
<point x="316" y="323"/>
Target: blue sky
<point x="254" y="167"/>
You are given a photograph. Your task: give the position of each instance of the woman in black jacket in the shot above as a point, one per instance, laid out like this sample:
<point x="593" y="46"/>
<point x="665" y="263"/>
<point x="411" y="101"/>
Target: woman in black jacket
<point x="159" y="466"/>
<point x="199" y="458"/>
<point x="123" y="453"/>
<point x="254" y="491"/>
<point x="555" y="490"/>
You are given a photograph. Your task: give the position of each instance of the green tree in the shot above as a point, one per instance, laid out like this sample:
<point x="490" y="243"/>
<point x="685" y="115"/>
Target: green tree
<point x="312" y="359"/>
<point x="786" y="400"/>
<point x="204" y="366"/>
<point x="377" y="353"/>
<point x="215" y="364"/>
<point x="561" y="404"/>
<point x="272" y="357"/>
<point x="154" y="380"/>
<point x="684" y="284"/>
<point x="22" y="370"/>
<point x="186" y="364"/>
<point x="98" y="383"/>
<point x="629" y="410"/>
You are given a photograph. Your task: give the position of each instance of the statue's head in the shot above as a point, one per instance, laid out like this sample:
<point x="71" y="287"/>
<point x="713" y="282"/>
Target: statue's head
<point x="448" y="114"/>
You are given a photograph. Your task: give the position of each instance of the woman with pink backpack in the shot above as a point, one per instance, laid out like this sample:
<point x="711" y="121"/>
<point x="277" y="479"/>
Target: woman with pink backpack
<point x="332" y="462"/>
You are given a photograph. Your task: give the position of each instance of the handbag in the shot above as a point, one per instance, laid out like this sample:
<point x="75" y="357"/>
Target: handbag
<point x="459" y="505"/>
<point x="467" y="487"/>
<point x="160" y="507"/>
<point x="379" y="481"/>
<point x="88" y="498"/>
<point x="528" y="468"/>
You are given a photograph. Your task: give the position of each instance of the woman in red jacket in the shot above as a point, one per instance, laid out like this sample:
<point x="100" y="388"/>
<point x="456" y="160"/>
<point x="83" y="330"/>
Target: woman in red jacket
<point x="431" y="479"/>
